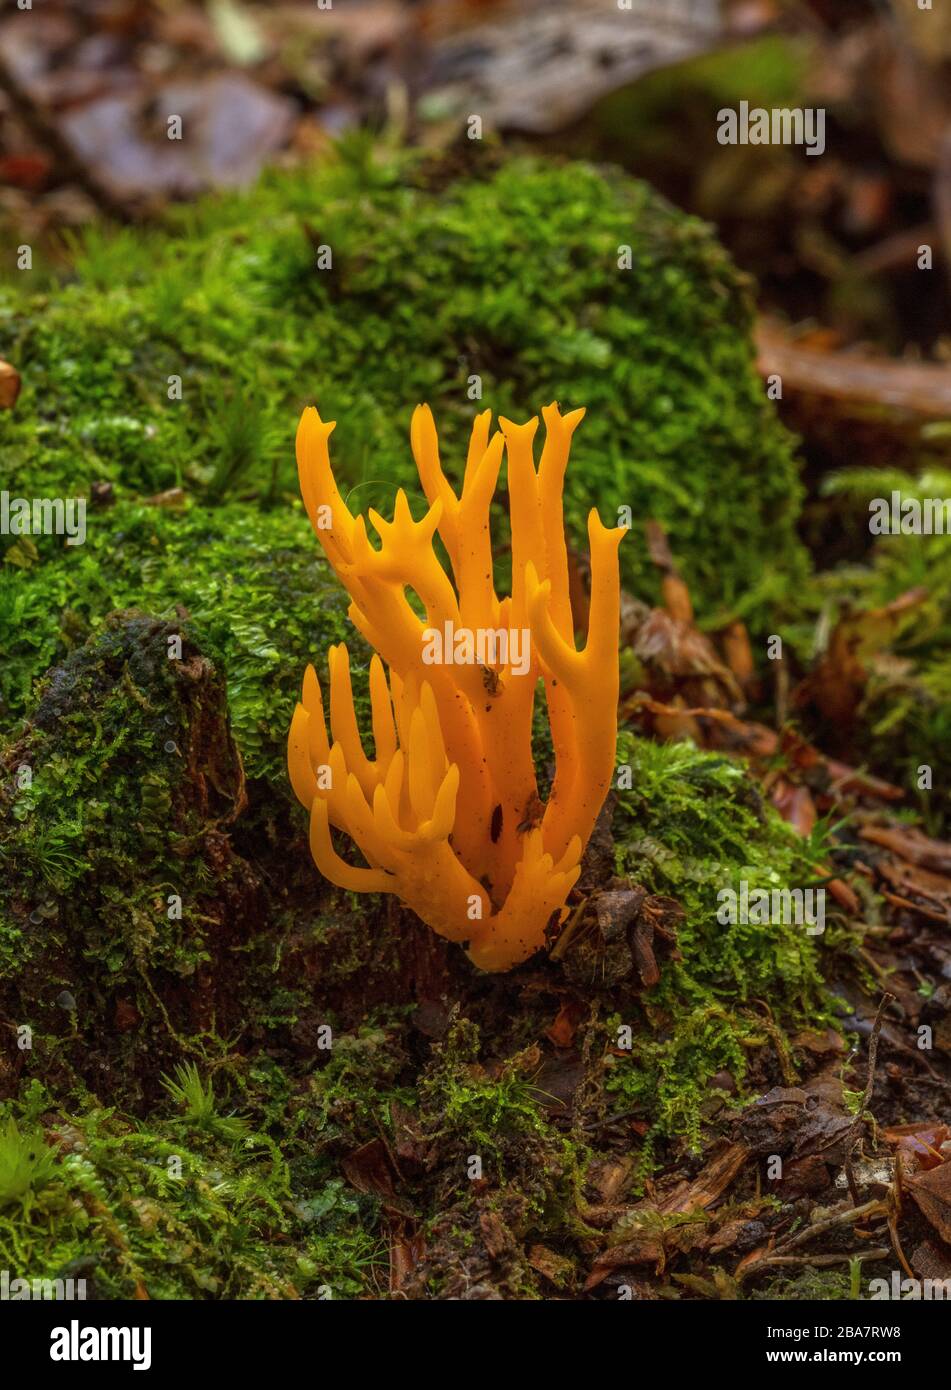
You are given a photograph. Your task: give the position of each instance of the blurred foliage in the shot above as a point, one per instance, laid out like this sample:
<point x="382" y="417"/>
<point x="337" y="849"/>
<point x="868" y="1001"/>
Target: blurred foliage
<point x="905" y="717"/>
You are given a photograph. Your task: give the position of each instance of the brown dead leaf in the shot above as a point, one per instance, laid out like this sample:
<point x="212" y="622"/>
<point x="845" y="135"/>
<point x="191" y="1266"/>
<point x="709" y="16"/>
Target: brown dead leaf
<point x="556" y="1081"/>
<point x="929" y="1262"/>
<point x="610" y="1176"/>
<point x="406" y="1251"/>
<point x="646" y="1248"/>
<point x="837" y="683"/>
<point x="827" y="1043"/>
<point x="556" y="1268"/>
<point x="496" y="1236"/>
<point x="565" y="1025"/>
<point x="920" y="1142"/>
<point x="411" y="1145"/>
<point x="682" y="662"/>
<point x="849" y="779"/>
<point x="931" y="1191"/>
<point x="9" y="385"/>
<point x="795" y="805"/>
<point x="846" y="897"/>
<point x="27" y="171"/>
<point x="907" y="905"/>
<point x="913" y="845"/>
<point x="794" y="1123"/>
<point x="676" y="594"/>
<point x="752" y="1258"/>
<point x="736" y="735"/>
<point x="916" y="889"/>
<point x="368" y="1169"/>
<point x="738" y="653"/>
<point x="727" y="1236"/>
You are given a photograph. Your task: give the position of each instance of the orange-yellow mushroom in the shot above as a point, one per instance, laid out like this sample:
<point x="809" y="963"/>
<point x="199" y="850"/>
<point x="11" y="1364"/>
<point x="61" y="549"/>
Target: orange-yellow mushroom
<point x="447" y="814"/>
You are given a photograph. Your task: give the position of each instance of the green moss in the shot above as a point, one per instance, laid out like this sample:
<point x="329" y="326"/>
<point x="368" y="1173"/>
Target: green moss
<point x="182" y="1207"/>
<point x="352" y="1092"/>
<point x="201" y="1029"/>
<point x="26" y="1165"/>
<point x="253" y="582"/>
<point x="122" y="903"/>
<point x="506" y="1169"/>
<point x="512" y="277"/>
<point x="494" y="1116"/>
<point x="691" y="824"/>
<point x="810" y="1286"/>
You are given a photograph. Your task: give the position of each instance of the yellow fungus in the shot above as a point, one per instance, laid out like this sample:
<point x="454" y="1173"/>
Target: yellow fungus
<point x="447" y="814"/>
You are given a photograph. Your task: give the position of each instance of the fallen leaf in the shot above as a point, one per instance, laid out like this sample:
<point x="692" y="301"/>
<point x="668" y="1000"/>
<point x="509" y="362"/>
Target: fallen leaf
<point x="565" y="1024"/>
<point x="795" y="1124"/>
<point x="9" y="385"/>
<point x="368" y="1169"/>
<point x="496" y="1236"/>
<point x="738" y="652"/>
<point x="406" y="1251"/>
<point x="556" y="1268"/>
<point x="912" y="845"/>
<point x="837" y="683"/>
<point x="929" y="1262"/>
<point x="922" y="1143"/>
<point x="644" y="1249"/>
<point x="845" y="896"/>
<point x="795" y="805"/>
<point x="28" y="171"/>
<point x="931" y="1191"/>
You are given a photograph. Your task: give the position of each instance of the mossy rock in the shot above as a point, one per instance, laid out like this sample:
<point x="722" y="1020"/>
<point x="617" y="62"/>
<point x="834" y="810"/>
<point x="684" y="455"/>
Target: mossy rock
<point x="135" y="797"/>
<point x="512" y="277"/>
<point x="440" y="1061"/>
<point x="253" y="582"/>
<point x="123" y="900"/>
<point x="197" y="1203"/>
<point x="156" y="905"/>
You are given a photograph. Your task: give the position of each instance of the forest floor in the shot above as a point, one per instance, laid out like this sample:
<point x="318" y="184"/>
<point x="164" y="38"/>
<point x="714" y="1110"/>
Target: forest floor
<point x="275" y="1089"/>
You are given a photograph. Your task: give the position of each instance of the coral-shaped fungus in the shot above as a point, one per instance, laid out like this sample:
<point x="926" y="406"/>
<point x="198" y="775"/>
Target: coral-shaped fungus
<point x="447" y="814"/>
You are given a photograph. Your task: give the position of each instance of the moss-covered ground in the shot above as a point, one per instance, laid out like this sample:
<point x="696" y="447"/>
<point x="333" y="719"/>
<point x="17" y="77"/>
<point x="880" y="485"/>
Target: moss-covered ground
<point x="221" y="1078"/>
